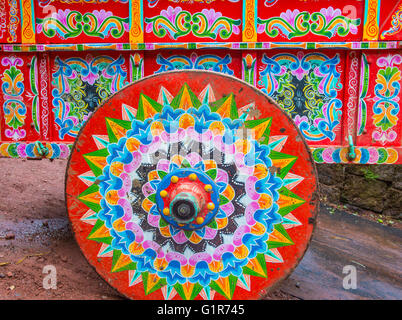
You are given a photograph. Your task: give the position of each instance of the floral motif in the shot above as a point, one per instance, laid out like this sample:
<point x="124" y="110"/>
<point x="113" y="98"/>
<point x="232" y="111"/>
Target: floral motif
<point x="386" y="107"/>
<point x="13" y="88"/>
<point x="177" y="23"/>
<point x="396" y="25"/>
<point x="3" y="19"/>
<point x="202" y="62"/>
<point x="71" y="24"/>
<point x="306" y="87"/>
<point x="44" y="3"/>
<point x="328" y="22"/>
<point x="14" y="21"/>
<point x="81" y="85"/>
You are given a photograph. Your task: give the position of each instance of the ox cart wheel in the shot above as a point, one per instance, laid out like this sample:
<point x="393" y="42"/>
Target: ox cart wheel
<point x="191" y="185"/>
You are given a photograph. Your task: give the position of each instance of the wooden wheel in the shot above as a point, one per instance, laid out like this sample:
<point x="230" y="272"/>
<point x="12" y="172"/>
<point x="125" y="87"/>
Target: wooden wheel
<point x="191" y="185"/>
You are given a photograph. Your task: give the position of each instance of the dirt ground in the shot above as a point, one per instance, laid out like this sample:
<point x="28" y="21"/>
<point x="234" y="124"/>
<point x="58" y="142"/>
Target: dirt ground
<point x="33" y="218"/>
<point x="35" y="232"/>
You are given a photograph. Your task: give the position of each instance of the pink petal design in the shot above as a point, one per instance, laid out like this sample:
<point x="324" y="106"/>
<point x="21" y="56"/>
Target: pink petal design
<point x="238" y="235"/>
<point x="249" y="213"/>
<point x="147" y="189"/>
<point x="201" y="256"/>
<point x="177" y="136"/>
<point x="228" y="208"/>
<point x="163" y="165"/>
<point x="180" y="237"/>
<point x="134" y="165"/>
<point x="210" y="233"/>
<point x="153" y="220"/>
<point x="193" y="158"/>
<point x="222" y="176"/>
<point x="176" y="256"/>
<point x="250" y="188"/>
<point x="203" y="137"/>
<point x="126" y="185"/>
<point x="223" y="248"/>
<point x="128" y="210"/>
<point x="153" y="245"/>
<point x="139" y="235"/>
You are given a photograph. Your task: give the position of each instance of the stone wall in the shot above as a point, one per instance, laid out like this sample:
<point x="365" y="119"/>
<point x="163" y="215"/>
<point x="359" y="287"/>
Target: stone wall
<point x="377" y="188"/>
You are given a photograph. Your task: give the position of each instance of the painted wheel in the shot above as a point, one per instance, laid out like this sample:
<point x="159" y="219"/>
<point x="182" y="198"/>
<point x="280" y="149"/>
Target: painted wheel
<point x="191" y="185"/>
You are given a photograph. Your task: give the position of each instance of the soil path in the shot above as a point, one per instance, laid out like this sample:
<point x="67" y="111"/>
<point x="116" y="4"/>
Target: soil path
<point x="33" y="216"/>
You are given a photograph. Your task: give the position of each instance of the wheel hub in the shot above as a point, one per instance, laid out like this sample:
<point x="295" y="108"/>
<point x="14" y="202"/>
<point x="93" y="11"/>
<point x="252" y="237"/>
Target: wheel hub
<point x="187" y="199"/>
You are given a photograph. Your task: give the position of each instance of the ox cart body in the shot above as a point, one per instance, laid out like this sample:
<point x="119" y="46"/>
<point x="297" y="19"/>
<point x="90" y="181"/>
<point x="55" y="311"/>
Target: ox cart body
<point x="98" y="82"/>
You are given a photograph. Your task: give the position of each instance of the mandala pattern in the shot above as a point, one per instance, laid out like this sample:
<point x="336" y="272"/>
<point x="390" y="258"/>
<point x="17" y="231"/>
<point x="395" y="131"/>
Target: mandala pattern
<point x="227" y="157"/>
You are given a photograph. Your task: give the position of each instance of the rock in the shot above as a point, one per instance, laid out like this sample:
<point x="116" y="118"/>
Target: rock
<point x="64" y="258"/>
<point x="376" y="172"/>
<point x="393" y="203"/>
<point x="355" y="170"/>
<point x="2" y="275"/>
<point x="10" y="235"/>
<point x="362" y="193"/>
<point x="330" y="194"/>
<point x="10" y="274"/>
<point x="387" y="173"/>
<point x="330" y="174"/>
<point x="397" y="185"/>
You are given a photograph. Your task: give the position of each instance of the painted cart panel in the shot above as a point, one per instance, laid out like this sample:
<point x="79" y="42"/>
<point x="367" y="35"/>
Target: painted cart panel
<point x="378" y="121"/>
<point x="333" y="66"/>
<point x="309" y="86"/>
<point x="10" y="21"/>
<point x="80" y="82"/>
<point x="391" y="20"/>
<point x="187" y="21"/>
<point x="320" y="20"/>
<point x="86" y="22"/>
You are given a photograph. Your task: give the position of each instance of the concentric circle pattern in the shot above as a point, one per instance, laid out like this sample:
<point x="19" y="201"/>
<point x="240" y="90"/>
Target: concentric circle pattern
<point x="239" y="186"/>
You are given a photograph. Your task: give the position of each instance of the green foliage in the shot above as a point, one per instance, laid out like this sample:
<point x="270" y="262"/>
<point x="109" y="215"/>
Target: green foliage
<point x="368" y="174"/>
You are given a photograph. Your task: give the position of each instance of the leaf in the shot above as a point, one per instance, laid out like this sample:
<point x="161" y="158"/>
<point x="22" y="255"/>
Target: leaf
<point x="212" y="173"/>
